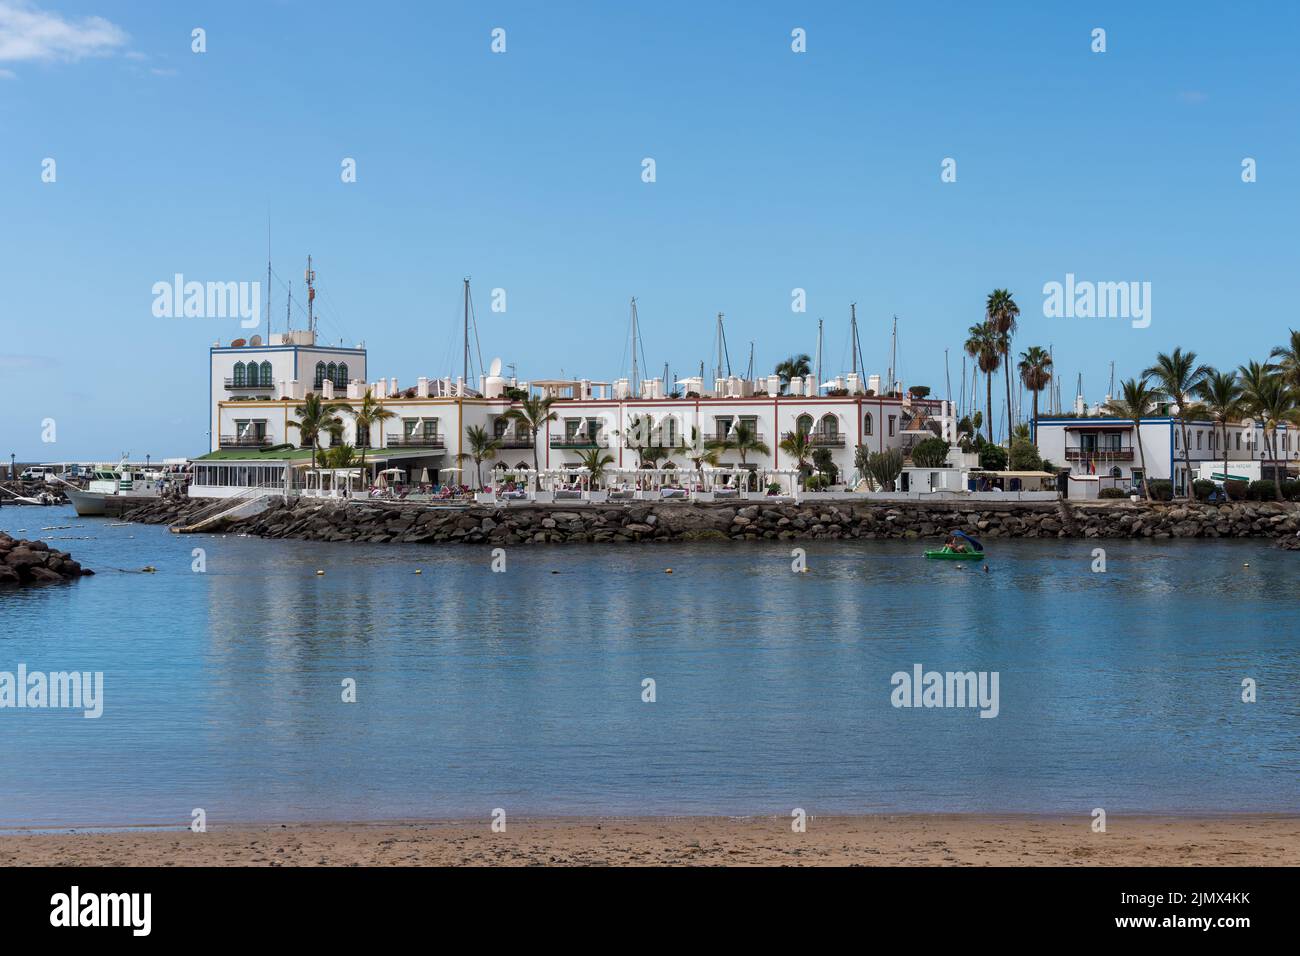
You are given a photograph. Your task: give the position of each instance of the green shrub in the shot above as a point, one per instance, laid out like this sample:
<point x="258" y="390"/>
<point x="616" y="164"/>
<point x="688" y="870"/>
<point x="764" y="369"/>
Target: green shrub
<point x="1291" y="490"/>
<point x="1112" y="493"/>
<point x="1024" y="456"/>
<point x="993" y="458"/>
<point x="1202" y="488"/>
<point x="774" y="488"/>
<point x="816" y="483"/>
<point x="1162" y="489"/>
<point x="930" y="453"/>
<point x="1236" y="490"/>
<point x="1262" y="490"/>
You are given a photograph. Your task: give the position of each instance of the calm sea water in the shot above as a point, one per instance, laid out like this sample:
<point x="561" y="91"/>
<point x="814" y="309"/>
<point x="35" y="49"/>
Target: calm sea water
<point x="523" y="690"/>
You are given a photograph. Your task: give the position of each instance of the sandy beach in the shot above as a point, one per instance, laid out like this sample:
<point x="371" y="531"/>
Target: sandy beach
<point x="920" y="840"/>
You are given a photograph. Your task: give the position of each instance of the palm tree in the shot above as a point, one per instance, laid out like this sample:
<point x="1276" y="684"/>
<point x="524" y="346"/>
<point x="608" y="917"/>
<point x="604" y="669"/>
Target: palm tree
<point x="533" y="413"/>
<point x="742" y="439"/>
<point x="317" y="416"/>
<point x="595" y="460"/>
<point x="985" y="346"/>
<point x="796" y="365"/>
<point x="698" y="452"/>
<point x="482" y="447"/>
<point x="1035" y="372"/>
<point x="371" y="412"/>
<point x="798" y="445"/>
<point x="1176" y="376"/>
<point x="1267" y="394"/>
<point x="1221" y="394"/>
<point x="1001" y="312"/>
<point x="340" y="456"/>
<point x="1135" y="398"/>
<point x="1289" y="354"/>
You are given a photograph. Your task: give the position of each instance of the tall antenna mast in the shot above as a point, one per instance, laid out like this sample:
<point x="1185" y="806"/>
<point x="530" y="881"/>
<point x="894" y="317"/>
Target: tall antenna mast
<point x="722" y="349"/>
<point x="288" y="309"/>
<point x="749" y="372"/>
<point x="311" y="297"/>
<point x="635" y="335"/>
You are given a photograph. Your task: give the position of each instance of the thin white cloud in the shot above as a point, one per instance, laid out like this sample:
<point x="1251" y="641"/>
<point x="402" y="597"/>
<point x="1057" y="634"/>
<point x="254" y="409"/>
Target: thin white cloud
<point x="28" y="33"/>
<point x="8" y="75"/>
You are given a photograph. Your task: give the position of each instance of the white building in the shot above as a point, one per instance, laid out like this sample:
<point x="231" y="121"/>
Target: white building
<point x="1108" y="448"/>
<point x="253" y="440"/>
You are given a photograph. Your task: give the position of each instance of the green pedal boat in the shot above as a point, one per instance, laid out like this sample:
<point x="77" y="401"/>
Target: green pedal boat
<point x="943" y="554"/>
<point x="974" y="550"/>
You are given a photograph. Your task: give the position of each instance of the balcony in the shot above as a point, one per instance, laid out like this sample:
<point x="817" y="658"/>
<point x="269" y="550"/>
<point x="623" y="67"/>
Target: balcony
<point x="233" y="386"/>
<point x="574" y="441"/>
<point x="245" y="441"/>
<point x="1099" y="454"/>
<point x="825" y="440"/>
<point x="513" y="441"/>
<point x="414" y="441"/>
<point x="722" y="437"/>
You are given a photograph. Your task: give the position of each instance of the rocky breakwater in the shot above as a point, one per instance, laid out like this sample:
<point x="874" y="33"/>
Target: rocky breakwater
<point x="741" y="521"/>
<point x="24" y="562"/>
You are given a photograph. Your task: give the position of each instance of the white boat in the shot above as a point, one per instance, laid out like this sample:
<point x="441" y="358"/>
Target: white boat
<point x="112" y="484"/>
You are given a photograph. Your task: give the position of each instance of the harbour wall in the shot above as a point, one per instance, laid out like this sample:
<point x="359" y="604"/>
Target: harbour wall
<point x="379" y="522"/>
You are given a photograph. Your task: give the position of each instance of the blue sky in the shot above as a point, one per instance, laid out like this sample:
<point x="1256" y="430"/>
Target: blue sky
<point x="775" y="171"/>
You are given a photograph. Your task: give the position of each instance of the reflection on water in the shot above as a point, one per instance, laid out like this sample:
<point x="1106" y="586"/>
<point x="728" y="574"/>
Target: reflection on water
<point x="523" y="690"/>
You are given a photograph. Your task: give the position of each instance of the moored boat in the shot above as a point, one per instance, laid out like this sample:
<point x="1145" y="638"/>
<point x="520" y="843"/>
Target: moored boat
<point x="111" y="485"/>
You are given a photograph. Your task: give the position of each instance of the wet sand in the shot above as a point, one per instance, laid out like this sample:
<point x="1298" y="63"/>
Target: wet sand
<point x="909" y="840"/>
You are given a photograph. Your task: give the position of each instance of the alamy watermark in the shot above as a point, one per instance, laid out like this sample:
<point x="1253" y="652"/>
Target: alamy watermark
<point x="73" y="690"/>
<point x="922" y="688"/>
<point x="208" y="300"/>
<point x="1074" y="299"/>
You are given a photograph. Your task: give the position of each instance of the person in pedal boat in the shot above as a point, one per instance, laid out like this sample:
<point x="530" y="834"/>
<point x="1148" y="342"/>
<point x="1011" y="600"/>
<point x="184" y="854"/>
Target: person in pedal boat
<point x="955" y="544"/>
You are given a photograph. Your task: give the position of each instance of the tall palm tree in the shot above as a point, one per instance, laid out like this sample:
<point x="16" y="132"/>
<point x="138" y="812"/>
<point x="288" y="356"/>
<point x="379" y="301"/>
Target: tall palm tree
<point x="1001" y="312"/>
<point x="744" y="440"/>
<point x="482" y="447"/>
<point x="796" y="365"/>
<point x="533" y="413"/>
<point x="1035" y="372"/>
<point x="1176" y="376"/>
<point x="371" y="412"/>
<point x="1267" y="394"/>
<point x="1135" y="398"/>
<point x="595" y="460"/>
<point x="985" y="346"/>
<point x="317" y="416"/>
<point x="1221" y="394"/>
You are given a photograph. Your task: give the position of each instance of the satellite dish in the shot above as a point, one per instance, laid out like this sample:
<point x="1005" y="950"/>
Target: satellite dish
<point x="495" y="368"/>
<point x="255" y="340"/>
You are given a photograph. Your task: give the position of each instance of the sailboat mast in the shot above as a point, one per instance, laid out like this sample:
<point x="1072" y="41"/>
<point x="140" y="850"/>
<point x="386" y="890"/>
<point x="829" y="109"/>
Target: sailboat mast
<point x="819" y="358"/>
<point x="853" y="335"/>
<point x="893" y="355"/>
<point x="464" y="375"/>
<point x="635" y="390"/>
<point x="268" y="280"/>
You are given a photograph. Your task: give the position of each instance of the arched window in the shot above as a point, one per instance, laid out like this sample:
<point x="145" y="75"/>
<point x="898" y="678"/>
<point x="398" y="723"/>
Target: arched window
<point x="320" y="374"/>
<point x="240" y="375"/>
<point x="830" y="426"/>
<point x="803" y="424"/>
<point x="332" y="373"/>
<point x="342" y="380"/>
<point x="266" y="375"/>
<point x="866" y="424"/>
